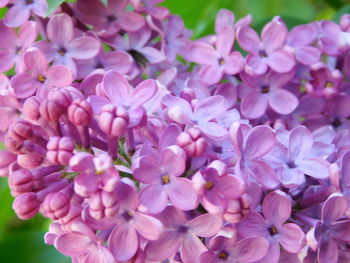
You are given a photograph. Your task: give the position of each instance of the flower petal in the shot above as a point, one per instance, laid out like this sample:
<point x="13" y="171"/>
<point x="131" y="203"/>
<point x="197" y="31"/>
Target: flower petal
<point x="276" y="208"/>
<point x="123" y="242"/>
<point x="182" y="194"/>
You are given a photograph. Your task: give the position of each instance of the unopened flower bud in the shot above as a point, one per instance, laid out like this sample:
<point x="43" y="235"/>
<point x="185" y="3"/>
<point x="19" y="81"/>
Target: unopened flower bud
<point x="31" y="108"/>
<point x="26" y="205"/>
<point x="61" y="97"/>
<point x="51" y="111"/>
<point x="56" y="205"/>
<point x="60" y="150"/>
<point x="80" y="112"/>
<point x="21" y="130"/>
<point x="30" y="160"/>
<point x="113" y="121"/>
<point x="20" y="182"/>
<point x="192" y="142"/>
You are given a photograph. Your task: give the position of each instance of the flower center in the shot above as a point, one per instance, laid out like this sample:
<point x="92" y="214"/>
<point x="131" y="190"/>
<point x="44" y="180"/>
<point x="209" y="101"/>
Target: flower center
<point x="99" y="65"/>
<point x="127" y="215"/>
<point x="182" y="229"/>
<point x="41" y="78"/>
<point x="223" y="255"/>
<point x="273" y="230"/>
<point x="221" y="61"/>
<point x="329" y="84"/>
<point x="111" y="18"/>
<point x="165" y="179"/>
<point x="262" y="54"/>
<point x="291" y="165"/>
<point x="208" y="185"/>
<point x="138" y="57"/>
<point x="62" y="51"/>
<point x="336" y="123"/>
<point x="29" y="2"/>
<point x="265" y="89"/>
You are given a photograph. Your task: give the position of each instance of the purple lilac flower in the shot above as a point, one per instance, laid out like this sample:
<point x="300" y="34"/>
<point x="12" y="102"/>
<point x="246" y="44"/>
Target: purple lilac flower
<point x="182" y="234"/>
<point x="268" y="52"/>
<point x="276" y="209"/>
<point x="331" y="231"/>
<point x="20" y="12"/>
<point x="63" y="47"/>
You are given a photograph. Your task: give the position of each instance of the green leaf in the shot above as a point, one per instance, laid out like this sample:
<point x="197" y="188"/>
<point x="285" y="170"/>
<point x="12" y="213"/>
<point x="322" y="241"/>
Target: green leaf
<point x="53" y="4"/>
<point x="344" y="10"/>
<point x="28" y="247"/>
<point x="105" y="2"/>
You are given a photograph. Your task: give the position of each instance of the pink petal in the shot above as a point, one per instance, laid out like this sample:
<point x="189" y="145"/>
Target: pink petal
<point x="191" y="249"/>
<point x="152" y="54"/>
<point x="35" y="60"/>
<point x="147" y="169"/>
<point x="274" y="34"/>
<point x="205" y="225"/>
<point x="345" y="170"/>
<point x="276" y="207"/>
<point x="16" y="15"/>
<point x="116" y="87"/>
<point x="60" y="29"/>
<point x="213" y="130"/>
<point x="24" y="85"/>
<point x="97" y="103"/>
<point x="154" y="197"/>
<point x="253" y="225"/>
<point x="211" y="74"/>
<point x="308" y="55"/>
<point x="131" y="21"/>
<point x="256" y="65"/>
<point x="224" y="41"/>
<point x="283" y="101"/>
<point x="143" y="92"/>
<point x="173" y="160"/>
<point x="203" y="53"/>
<point x="254" y="105"/>
<point x="248" y="39"/>
<point x="260" y="141"/>
<point x="119" y="61"/>
<point x="224" y="18"/>
<point x="40" y="7"/>
<point x="123" y="242"/>
<point x="263" y="174"/>
<point x="83" y="48"/>
<point x="291" y="237"/>
<point x="6" y="60"/>
<point x="234" y="63"/>
<point x="334" y="208"/>
<point x="147" y="226"/>
<point x="210" y="108"/>
<point x="182" y="194"/>
<point x="100" y="254"/>
<point x="250" y="249"/>
<point x="179" y="109"/>
<point x="73" y="244"/>
<point x="300" y="143"/>
<point x="314" y="167"/>
<point x="231" y="187"/>
<point x="59" y="76"/>
<point x="281" y="61"/>
<point x="328" y="252"/>
<point x="163" y="248"/>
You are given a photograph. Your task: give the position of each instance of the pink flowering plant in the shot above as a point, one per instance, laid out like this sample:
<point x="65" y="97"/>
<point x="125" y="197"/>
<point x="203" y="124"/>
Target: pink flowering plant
<point x="144" y="145"/>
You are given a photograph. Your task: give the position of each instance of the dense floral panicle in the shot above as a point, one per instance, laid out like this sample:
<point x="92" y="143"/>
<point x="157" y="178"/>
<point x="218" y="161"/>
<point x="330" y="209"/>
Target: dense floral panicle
<point x="144" y="145"/>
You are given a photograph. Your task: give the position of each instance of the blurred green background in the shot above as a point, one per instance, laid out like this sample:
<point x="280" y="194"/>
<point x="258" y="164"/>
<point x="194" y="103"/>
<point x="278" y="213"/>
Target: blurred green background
<point x="22" y="241"/>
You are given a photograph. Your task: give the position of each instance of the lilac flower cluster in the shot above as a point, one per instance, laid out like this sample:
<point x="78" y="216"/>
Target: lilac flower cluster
<point x="144" y="145"/>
